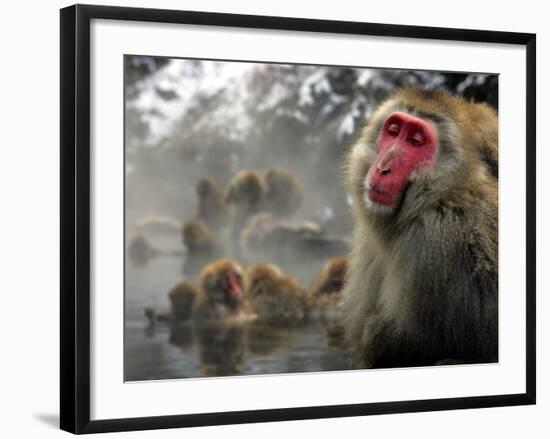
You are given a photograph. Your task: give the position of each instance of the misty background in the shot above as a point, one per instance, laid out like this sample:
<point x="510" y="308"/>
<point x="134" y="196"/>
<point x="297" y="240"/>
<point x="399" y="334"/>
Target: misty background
<point x="189" y="118"/>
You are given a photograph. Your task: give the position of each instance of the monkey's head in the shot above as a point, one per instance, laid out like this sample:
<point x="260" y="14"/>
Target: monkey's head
<point x="206" y="187"/>
<point x="246" y="190"/>
<point x="182" y="297"/>
<point x="284" y="191"/>
<point x="222" y="282"/>
<point x="332" y="276"/>
<point x="417" y="148"/>
<point x="262" y="279"/>
<point x="196" y="234"/>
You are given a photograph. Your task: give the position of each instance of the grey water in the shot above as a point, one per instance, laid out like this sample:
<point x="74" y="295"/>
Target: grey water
<point x="174" y="351"/>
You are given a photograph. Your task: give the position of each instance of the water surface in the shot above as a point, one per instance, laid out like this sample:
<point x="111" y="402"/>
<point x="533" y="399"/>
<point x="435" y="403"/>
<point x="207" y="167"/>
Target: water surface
<point x="166" y="351"/>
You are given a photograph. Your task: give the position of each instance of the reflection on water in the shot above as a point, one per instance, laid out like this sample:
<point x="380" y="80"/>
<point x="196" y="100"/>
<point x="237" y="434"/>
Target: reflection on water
<point x="179" y="350"/>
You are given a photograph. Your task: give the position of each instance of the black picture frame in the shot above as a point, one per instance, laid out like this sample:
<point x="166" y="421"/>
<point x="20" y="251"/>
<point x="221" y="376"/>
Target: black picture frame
<point x="75" y="217"/>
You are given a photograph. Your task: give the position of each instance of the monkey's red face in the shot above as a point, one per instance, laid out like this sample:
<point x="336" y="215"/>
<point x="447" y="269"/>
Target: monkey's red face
<point x="406" y="143"/>
<point x="231" y="284"/>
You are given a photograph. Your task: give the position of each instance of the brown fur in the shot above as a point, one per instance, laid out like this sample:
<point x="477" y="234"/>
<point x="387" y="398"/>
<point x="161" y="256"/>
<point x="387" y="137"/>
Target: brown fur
<point x="198" y="239"/>
<point x="284" y="192"/>
<point x="246" y="192"/>
<point x="326" y="293"/>
<point x="276" y="298"/>
<point x="245" y="196"/>
<point x="331" y="278"/>
<point x="422" y="283"/>
<point x="214" y="303"/>
<point x="211" y="209"/>
<point x="182" y="298"/>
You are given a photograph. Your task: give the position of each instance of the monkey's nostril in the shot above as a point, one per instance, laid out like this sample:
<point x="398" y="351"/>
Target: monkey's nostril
<point x="385" y="171"/>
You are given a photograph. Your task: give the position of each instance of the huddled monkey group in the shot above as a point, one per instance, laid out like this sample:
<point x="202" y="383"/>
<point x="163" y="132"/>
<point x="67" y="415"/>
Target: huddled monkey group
<point x="419" y="285"/>
<point x="237" y="246"/>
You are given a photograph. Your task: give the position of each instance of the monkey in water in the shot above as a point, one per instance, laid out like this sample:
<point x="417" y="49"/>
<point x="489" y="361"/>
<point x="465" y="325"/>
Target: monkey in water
<point x="211" y="209"/>
<point x="284" y="193"/>
<point x="276" y="298"/>
<point x="330" y="280"/>
<point x="326" y="290"/>
<point x="201" y="245"/>
<point x="422" y="285"/>
<point x="222" y="294"/>
<point x="141" y="251"/>
<point x="245" y="196"/>
<point x="326" y="296"/>
<point x="182" y="299"/>
<point x="219" y="318"/>
<point x="198" y="239"/>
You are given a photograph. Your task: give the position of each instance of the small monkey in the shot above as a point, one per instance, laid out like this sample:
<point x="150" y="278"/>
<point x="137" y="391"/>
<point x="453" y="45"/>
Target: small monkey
<point x="287" y="242"/>
<point x="284" y="193"/>
<point x="140" y="250"/>
<point x="198" y="239"/>
<point x="222" y="293"/>
<point x="202" y="247"/>
<point x="330" y="280"/>
<point x="325" y="297"/>
<point x="245" y="196"/>
<point x="246" y="192"/>
<point x="277" y="299"/>
<point x="211" y="208"/>
<point x="182" y="299"/>
<point x="219" y="317"/>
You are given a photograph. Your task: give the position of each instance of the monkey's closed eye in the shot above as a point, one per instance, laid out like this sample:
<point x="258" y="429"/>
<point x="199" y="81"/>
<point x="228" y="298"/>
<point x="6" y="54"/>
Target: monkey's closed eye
<point x="393" y="129"/>
<point x="416" y="139"/>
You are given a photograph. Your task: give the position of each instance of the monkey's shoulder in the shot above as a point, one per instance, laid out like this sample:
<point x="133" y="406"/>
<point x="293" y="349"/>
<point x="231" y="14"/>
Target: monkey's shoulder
<point x="452" y="238"/>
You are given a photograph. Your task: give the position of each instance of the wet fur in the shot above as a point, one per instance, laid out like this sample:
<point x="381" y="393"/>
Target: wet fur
<point x="182" y="299"/>
<point x="213" y="303"/>
<point x="277" y="299"/>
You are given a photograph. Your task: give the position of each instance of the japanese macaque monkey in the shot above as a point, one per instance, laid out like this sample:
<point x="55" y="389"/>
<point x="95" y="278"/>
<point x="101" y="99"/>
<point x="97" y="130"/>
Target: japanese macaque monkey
<point x="198" y="240"/>
<point x="288" y="242"/>
<point x="245" y="196"/>
<point x="330" y="280"/>
<point x="246" y="193"/>
<point x="222" y="292"/>
<point x="211" y="209"/>
<point x="326" y="290"/>
<point x="219" y="317"/>
<point x="284" y="192"/>
<point x="201" y="245"/>
<point x="276" y="298"/>
<point x="326" y="297"/>
<point x="182" y="299"/>
<point x="140" y="250"/>
<point x="422" y="286"/>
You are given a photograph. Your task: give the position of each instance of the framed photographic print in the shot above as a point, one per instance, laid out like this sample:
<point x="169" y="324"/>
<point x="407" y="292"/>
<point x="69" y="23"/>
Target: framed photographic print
<point x="268" y="218"/>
